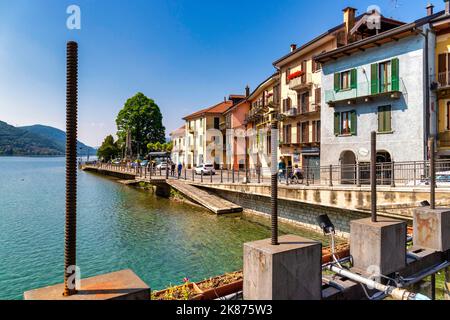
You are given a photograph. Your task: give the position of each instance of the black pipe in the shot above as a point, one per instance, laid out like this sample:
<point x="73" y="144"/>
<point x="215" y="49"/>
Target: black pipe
<point x="71" y="167"/>
<point x="373" y="175"/>
<point x="274" y="184"/>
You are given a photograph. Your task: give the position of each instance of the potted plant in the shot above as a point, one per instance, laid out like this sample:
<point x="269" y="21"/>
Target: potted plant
<point x="221" y="286"/>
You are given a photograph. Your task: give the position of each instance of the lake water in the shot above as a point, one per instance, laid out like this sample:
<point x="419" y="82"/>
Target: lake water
<point x="119" y="227"/>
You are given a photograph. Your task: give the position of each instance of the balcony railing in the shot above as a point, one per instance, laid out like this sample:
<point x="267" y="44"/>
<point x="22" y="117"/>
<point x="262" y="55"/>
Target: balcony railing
<point x="293" y="112"/>
<point x="444" y="79"/>
<point x="364" y="91"/>
<point x="301" y="82"/>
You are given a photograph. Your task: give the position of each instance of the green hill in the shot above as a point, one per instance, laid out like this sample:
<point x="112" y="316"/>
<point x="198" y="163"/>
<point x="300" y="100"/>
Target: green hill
<point x="34" y="141"/>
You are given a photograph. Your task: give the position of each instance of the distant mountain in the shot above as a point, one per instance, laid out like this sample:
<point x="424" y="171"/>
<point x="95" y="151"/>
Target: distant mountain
<point x="34" y="141"/>
<point x="59" y="137"/>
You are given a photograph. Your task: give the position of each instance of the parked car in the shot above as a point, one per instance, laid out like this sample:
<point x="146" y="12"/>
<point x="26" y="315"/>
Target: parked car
<point x="162" y="165"/>
<point x="207" y="169"/>
<point x="442" y="180"/>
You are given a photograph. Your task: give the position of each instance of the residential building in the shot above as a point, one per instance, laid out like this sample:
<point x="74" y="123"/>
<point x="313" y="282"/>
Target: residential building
<point x="204" y="137"/>
<point x="377" y="84"/>
<point x="235" y="137"/>
<point x="441" y="27"/>
<point x="258" y="121"/>
<point x="302" y="89"/>
<point x="178" y="151"/>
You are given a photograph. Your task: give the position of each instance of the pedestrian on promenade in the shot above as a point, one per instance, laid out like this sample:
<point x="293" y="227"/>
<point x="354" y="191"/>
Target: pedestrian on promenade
<point x="173" y="169"/>
<point x="281" y="169"/>
<point x="180" y="167"/>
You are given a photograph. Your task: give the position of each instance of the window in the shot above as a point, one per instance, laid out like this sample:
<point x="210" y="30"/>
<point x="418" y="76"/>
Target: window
<point x="345" y="123"/>
<point x="384" y="119"/>
<point x="287" y="134"/>
<point x="318" y="98"/>
<point x="385" y="76"/>
<point x="216" y="123"/>
<point x="303" y="100"/>
<point x="286" y="104"/>
<point x="384" y="71"/>
<point x="305" y="132"/>
<point x="316" y="131"/>
<point x="345" y="80"/>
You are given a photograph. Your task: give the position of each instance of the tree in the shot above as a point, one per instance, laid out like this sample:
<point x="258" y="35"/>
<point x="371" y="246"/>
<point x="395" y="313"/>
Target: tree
<point x="160" y="147"/>
<point x="142" y="117"/>
<point x="109" y="149"/>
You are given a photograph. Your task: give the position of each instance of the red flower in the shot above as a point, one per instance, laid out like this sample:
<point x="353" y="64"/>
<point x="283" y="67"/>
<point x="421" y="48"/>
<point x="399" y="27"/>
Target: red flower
<point x="295" y="75"/>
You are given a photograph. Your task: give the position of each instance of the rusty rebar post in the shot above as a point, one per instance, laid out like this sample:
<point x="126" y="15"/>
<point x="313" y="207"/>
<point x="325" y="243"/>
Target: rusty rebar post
<point x="432" y="174"/>
<point x="373" y="175"/>
<point x="71" y="167"/>
<point x="274" y="182"/>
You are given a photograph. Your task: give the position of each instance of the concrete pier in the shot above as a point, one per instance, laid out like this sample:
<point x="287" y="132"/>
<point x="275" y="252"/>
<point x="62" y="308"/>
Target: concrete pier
<point x="432" y="228"/>
<point x="289" y="271"/>
<point x="380" y="245"/>
<point x="121" y="285"/>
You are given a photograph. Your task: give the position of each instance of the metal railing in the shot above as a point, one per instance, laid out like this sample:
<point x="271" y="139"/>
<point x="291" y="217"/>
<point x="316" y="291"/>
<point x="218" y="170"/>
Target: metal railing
<point x="394" y="174"/>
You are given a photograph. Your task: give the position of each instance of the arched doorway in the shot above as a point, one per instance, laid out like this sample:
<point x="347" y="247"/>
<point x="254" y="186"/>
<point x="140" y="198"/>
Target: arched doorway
<point x="348" y="167"/>
<point x="384" y="167"/>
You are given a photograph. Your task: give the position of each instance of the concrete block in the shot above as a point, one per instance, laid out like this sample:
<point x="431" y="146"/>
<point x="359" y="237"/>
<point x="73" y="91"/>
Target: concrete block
<point x="432" y="229"/>
<point x="121" y="285"/>
<point x="380" y="245"/>
<point x="289" y="271"/>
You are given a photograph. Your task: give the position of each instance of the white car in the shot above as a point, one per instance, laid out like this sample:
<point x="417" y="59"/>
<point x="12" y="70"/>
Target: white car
<point x="207" y="169"/>
<point x="162" y="165"/>
<point x="442" y="180"/>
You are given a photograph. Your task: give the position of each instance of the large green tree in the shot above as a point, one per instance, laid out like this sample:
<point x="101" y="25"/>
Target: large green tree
<point x="142" y="117"/>
<point x="109" y="149"/>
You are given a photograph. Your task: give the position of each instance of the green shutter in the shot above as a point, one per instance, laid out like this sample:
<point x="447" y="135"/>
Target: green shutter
<point x="337" y="82"/>
<point x="395" y="74"/>
<point x="353" y="122"/>
<point x="337" y="123"/>
<point x="353" y="79"/>
<point x="384" y="119"/>
<point x="374" y="78"/>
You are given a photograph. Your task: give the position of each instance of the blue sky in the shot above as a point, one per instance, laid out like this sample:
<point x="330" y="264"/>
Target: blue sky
<point x="185" y="54"/>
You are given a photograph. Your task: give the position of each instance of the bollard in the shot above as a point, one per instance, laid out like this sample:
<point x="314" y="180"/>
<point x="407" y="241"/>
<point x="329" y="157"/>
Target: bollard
<point x="331" y="175"/>
<point x="239" y="173"/>
<point x="193" y="177"/>
<point x="373" y="175"/>
<point x="232" y="175"/>
<point x="185" y="174"/>
<point x="201" y="173"/>
<point x="71" y="166"/>
<point x="307" y="176"/>
<point x="211" y="176"/>
<point x="432" y="175"/>
<point x="259" y="175"/>
<point x="228" y="176"/>
<point x="287" y="176"/>
<point x="221" y="175"/>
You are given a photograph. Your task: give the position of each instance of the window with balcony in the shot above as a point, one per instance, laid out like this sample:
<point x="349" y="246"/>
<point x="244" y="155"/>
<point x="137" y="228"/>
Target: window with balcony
<point x="345" y="123"/>
<point x="303" y="100"/>
<point x="443" y="69"/>
<point x="287" y="104"/>
<point x="287" y="134"/>
<point x="316" y="131"/>
<point x="384" y="119"/>
<point x="305" y="132"/>
<point x="385" y="76"/>
<point x="345" y="80"/>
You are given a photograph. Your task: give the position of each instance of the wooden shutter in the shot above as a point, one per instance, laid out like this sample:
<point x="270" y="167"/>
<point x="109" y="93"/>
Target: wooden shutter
<point x="314" y="131"/>
<point x="384" y="119"/>
<point x="284" y="105"/>
<point x="318" y="97"/>
<point x="374" y="78"/>
<point x="304" y="71"/>
<point x="289" y="103"/>
<point x="306" y="95"/>
<point x="353" y="123"/>
<point x="337" y="82"/>
<point x="395" y="74"/>
<point x="442" y="69"/>
<point x="353" y="79"/>
<point x="299" y="131"/>
<point x="337" y="123"/>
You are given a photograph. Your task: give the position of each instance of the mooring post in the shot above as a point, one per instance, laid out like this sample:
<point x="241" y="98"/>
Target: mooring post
<point x="274" y="181"/>
<point x="193" y="174"/>
<point x="373" y="175"/>
<point x="432" y="174"/>
<point x="232" y="175"/>
<point x="239" y="173"/>
<point x="185" y="174"/>
<point x="211" y="177"/>
<point x="167" y="167"/>
<point x="307" y="175"/>
<point x="259" y="174"/>
<point x="71" y="167"/>
<point x="221" y="174"/>
<point x="201" y="174"/>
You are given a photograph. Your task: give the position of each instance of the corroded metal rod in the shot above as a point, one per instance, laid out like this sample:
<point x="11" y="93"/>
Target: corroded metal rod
<point x="274" y="183"/>
<point x="71" y="167"/>
<point x="373" y="175"/>
<point x="432" y="174"/>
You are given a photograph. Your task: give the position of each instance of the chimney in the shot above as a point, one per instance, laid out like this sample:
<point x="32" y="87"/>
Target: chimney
<point x="247" y="91"/>
<point x="349" y="21"/>
<point x="447" y="7"/>
<point x="293" y="47"/>
<point x="430" y="9"/>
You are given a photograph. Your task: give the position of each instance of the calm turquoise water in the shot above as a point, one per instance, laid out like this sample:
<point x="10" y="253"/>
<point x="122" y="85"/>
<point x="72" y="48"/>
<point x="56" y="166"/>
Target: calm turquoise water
<point x="118" y="227"/>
